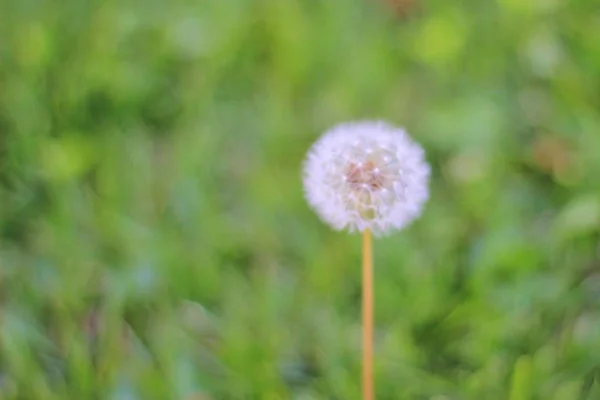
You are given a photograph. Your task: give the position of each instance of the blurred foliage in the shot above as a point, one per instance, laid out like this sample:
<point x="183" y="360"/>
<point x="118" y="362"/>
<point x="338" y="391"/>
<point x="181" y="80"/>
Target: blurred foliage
<point x="155" y="242"/>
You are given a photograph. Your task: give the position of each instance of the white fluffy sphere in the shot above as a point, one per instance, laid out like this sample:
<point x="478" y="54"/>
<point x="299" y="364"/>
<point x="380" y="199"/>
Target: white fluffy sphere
<point x="366" y="175"/>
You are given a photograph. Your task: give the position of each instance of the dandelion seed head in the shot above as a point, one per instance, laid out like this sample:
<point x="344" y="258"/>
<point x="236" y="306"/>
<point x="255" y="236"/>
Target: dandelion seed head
<point x="366" y="175"/>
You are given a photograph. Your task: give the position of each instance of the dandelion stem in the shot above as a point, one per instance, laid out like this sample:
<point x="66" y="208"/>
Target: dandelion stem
<point x="367" y="315"/>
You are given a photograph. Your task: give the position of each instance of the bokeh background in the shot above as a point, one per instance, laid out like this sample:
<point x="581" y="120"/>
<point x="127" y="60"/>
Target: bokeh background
<point x="155" y="242"/>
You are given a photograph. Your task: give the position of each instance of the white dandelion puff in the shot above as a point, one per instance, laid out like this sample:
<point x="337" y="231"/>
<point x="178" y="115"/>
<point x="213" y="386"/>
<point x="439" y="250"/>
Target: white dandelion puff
<point x="366" y="175"/>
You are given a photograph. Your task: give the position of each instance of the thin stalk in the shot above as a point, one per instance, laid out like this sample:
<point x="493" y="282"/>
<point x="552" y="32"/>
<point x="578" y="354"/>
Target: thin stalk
<point x="367" y="316"/>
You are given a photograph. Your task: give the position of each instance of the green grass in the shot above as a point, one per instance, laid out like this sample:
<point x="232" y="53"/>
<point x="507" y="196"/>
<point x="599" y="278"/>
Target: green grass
<point x="155" y="242"/>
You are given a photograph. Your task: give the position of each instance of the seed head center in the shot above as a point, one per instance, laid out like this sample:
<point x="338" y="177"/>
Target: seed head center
<point x="364" y="176"/>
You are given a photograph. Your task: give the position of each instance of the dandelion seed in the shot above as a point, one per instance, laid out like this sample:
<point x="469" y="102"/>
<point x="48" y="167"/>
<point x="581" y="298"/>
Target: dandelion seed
<point x="366" y="175"/>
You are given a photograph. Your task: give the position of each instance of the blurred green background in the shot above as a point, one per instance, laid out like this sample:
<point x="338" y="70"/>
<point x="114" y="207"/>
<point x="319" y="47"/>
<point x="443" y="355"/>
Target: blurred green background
<point x="155" y="242"/>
